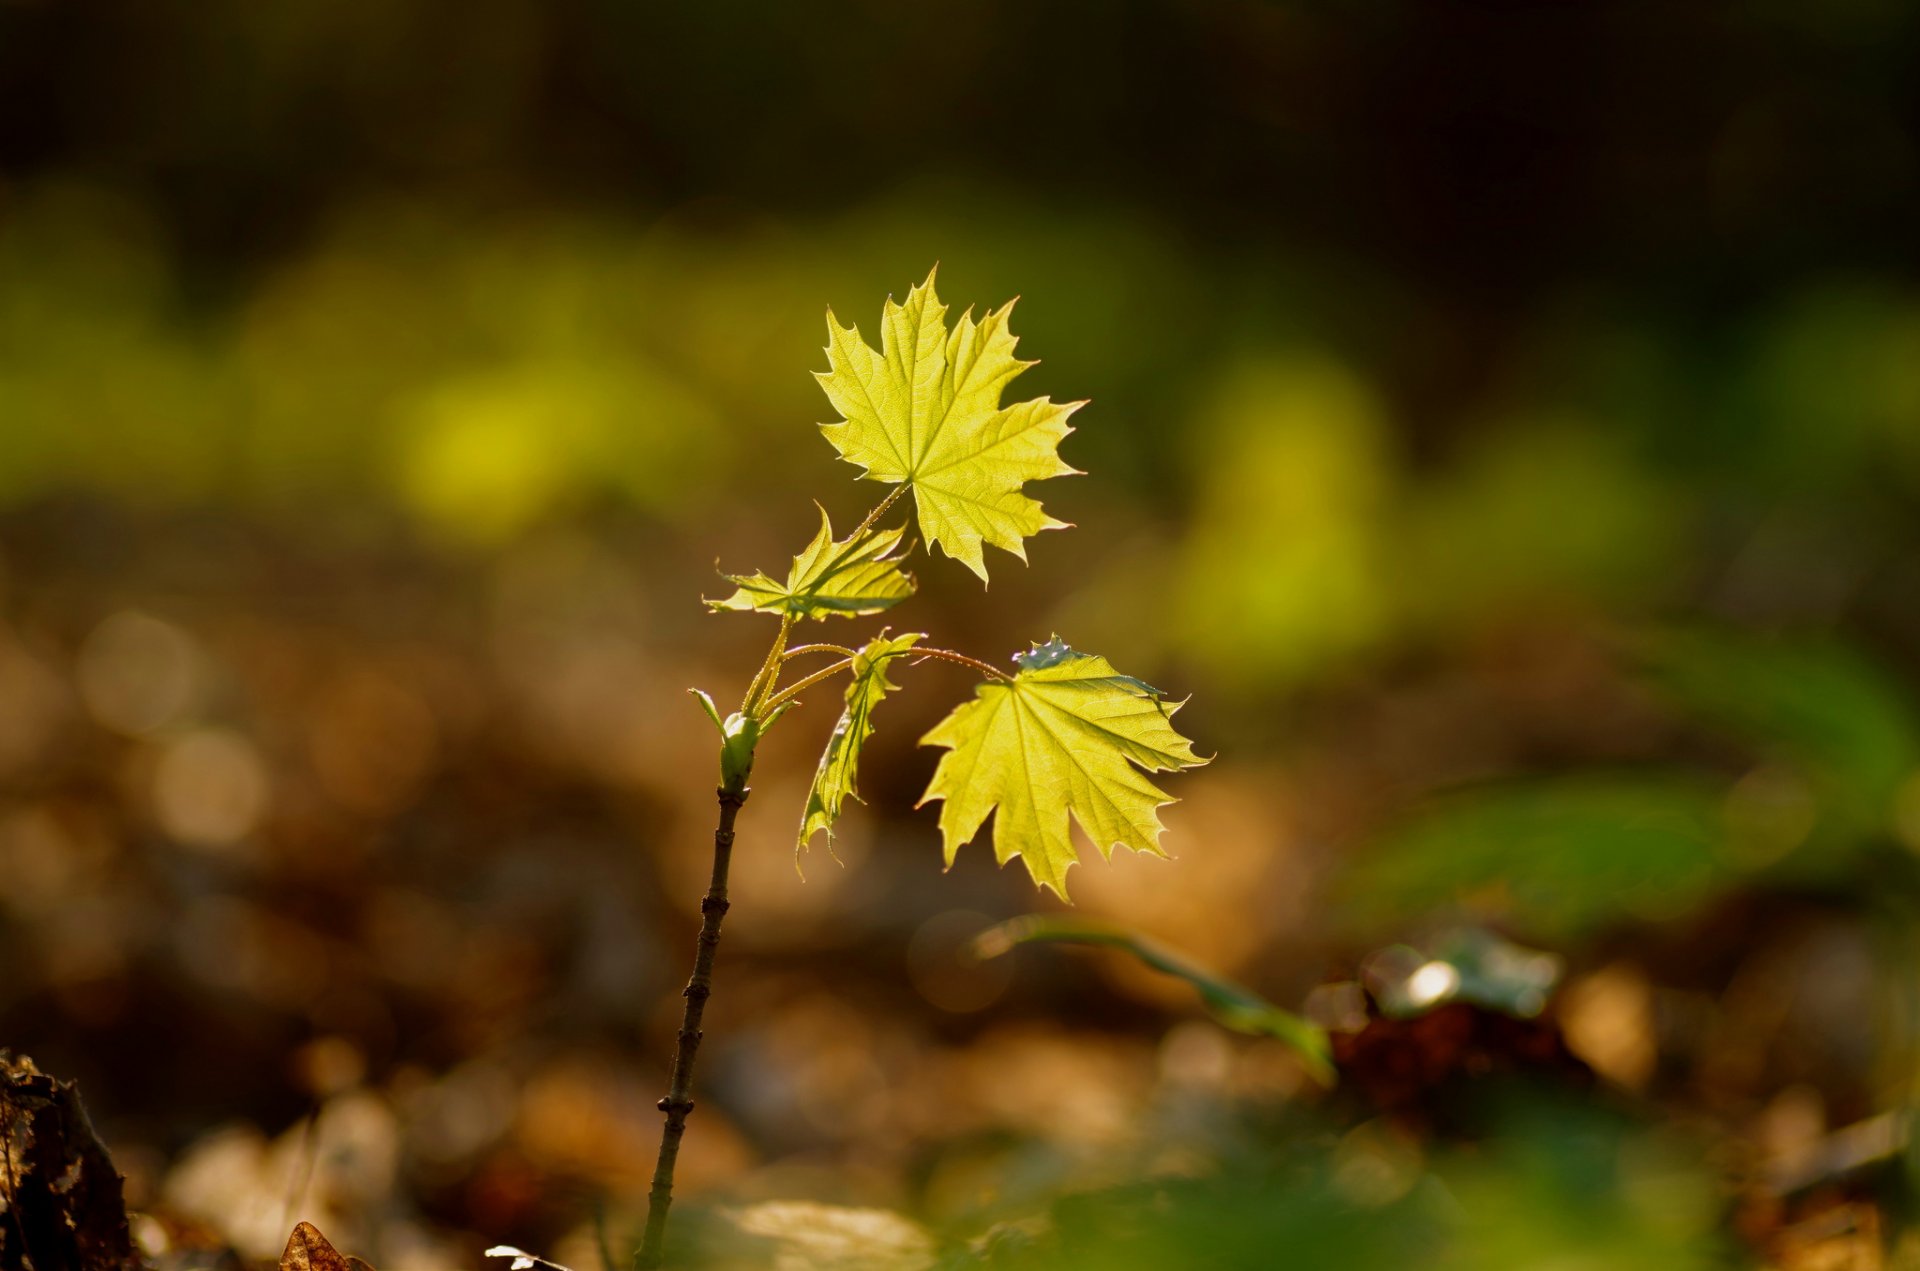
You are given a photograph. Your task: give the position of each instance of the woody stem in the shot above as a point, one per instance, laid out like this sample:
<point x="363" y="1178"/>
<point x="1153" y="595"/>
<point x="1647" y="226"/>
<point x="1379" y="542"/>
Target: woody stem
<point x="679" y="1100"/>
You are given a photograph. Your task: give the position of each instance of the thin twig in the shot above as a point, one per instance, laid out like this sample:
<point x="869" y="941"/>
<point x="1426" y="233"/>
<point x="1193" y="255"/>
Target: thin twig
<point x="679" y="1100"/>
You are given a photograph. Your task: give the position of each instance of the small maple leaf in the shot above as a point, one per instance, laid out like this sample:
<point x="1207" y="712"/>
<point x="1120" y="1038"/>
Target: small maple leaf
<point x="839" y="767"/>
<point x="1067" y="734"/>
<point x="925" y="410"/>
<point x="852" y="576"/>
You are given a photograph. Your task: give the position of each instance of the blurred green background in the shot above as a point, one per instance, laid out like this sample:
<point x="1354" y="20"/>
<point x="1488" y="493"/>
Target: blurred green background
<point x="1505" y="424"/>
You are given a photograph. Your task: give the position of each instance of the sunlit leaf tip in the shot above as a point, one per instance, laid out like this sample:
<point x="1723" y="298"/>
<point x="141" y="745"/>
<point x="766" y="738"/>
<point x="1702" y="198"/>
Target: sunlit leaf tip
<point x="839" y="768"/>
<point x="1064" y="741"/>
<point x="924" y="410"/>
<point x="856" y="575"/>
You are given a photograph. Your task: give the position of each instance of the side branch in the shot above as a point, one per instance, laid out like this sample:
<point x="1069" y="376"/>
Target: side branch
<point x="679" y="1100"/>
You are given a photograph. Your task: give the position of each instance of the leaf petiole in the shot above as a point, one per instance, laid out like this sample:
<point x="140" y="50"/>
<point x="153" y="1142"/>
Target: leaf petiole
<point x="798" y="650"/>
<point x="948" y="655"/>
<point x="845" y="664"/>
<point x="788" y="694"/>
<point x="769" y="672"/>
<point x="874" y="516"/>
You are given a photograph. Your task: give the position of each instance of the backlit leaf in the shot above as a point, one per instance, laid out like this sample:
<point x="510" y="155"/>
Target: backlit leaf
<point x="925" y="410"/>
<point x="1067" y="734"/>
<point x="852" y="576"/>
<point x="839" y="767"/>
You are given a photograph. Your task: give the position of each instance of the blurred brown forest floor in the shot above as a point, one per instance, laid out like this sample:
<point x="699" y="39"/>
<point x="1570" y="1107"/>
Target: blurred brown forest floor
<point x="355" y="887"/>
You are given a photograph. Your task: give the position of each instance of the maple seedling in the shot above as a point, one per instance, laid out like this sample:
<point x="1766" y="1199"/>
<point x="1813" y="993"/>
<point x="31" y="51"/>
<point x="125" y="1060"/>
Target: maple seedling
<point x="1062" y="738"/>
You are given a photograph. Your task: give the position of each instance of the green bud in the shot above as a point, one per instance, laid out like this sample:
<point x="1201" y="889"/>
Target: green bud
<point x="739" y="735"/>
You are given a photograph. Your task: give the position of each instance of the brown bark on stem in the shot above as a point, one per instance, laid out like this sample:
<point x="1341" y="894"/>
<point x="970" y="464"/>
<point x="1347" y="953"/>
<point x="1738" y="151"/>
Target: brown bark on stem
<point x="679" y="1100"/>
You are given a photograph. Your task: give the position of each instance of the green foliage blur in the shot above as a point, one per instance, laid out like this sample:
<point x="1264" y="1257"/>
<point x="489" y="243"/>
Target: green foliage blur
<point x="1505" y="426"/>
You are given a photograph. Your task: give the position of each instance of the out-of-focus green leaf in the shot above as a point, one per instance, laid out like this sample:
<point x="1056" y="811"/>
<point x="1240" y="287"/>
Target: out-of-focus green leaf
<point x="1553" y="513"/>
<point x="1550" y="858"/>
<point x="839" y="766"/>
<point x="925" y="410"/>
<point x="1572" y="1186"/>
<point x="1826" y="392"/>
<point x="1062" y="736"/>
<point x="1295" y="474"/>
<point x="849" y="577"/>
<point x="1819" y="707"/>
<point x="1246" y="1220"/>
<point x="1235" y="1006"/>
<point x="1550" y="1186"/>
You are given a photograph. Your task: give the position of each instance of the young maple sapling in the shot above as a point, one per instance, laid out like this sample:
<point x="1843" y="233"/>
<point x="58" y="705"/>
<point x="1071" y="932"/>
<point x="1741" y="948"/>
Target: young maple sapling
<point x="1064" y="735"/>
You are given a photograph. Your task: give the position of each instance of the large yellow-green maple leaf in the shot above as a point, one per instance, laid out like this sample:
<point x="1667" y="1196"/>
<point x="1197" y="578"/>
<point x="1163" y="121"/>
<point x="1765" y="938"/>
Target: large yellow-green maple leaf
<point x="851" y="576"/>
<point x="839" y="767"/>
<point x="1066" y="735"/>
<point x="925" y="410"/>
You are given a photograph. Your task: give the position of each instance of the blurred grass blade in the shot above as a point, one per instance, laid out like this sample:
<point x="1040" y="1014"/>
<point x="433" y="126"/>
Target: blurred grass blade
<point x="1234" y="1005"/>
<point x="1822" y="707"/>
<point x="1551" y="859"/>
